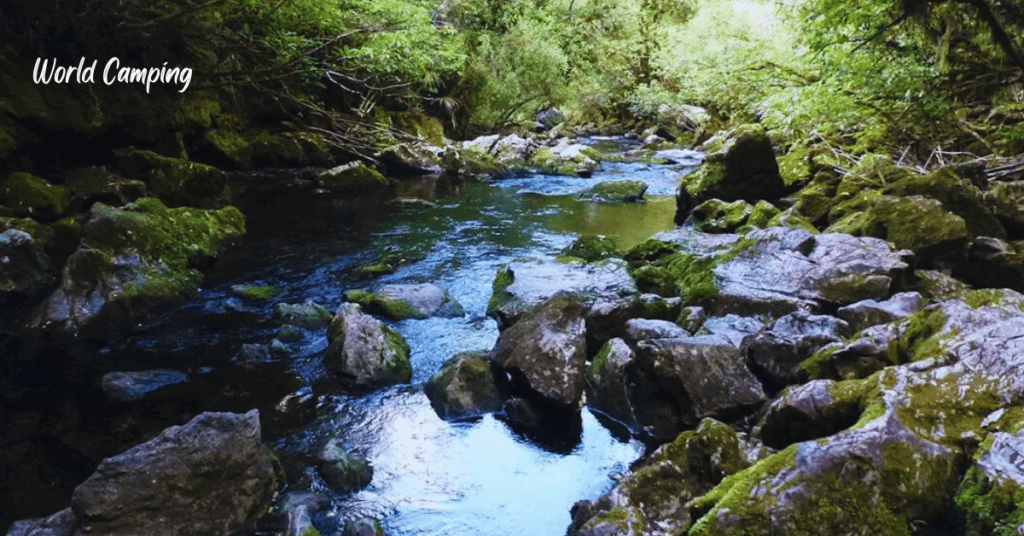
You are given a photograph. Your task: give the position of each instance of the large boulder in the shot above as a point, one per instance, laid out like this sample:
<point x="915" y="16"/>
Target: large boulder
<point x="364" y="352"/>
<point x="212" y="475"/>
<point x="132" y="262"/>
<point x="989" y="495"/>
<point x="341" y="469"/>
<point x="775" y="355"/>
<point x="464" y="387"/>
<point x="524" y="284"/>
<point x="740" y="164"/>
<point x="399" y="302"/>
<point x="566" y="158"/>
<point x="177" y="180"/>
<point x="411" y="159"/>
<point x="545" y="353"/>
<point x="769" y="271"/>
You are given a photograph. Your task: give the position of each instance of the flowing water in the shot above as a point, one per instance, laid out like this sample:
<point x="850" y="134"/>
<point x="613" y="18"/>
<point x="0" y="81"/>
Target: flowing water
<point x="431" y="477"/>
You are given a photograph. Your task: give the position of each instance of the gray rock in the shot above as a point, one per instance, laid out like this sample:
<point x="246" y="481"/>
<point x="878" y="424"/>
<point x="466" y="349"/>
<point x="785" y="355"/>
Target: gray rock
<point x="464" y="387"/>
<point x="97" y="185"/>
<point x="60" y="524"/>
<point x="398" y="302"/>
<point x="545" y="352"/>
<point x="211" y="476"/>
<point x="639" y="329"/>
<point x="362" y="527"/>
<point x="803" y="324"/>
<point x="411" y="159"/>
<point x="733" y="328"/>
<point x="867" y="313"/>
<point x="810" y="411"/>
<point x="608" y="384"/>
<point x="692" y="318"/>
<point x="364" y="352"/>
<point x="341" y="469"/>
<point x="624" y="191"/>
<point x="128" y="386"/>
<point x="775" y="355"/>
<point x="522" y="285"/>
<point x="865" y="354"/>
<point x="684" y="157"/>
<point x="992" y="262"/>
<point x="299" y="522"/>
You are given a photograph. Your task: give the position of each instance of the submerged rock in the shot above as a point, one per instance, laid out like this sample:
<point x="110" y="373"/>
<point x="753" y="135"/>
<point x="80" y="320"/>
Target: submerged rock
<point x="341" y="469"/>
<point x="364" y="352"/>
<point x="399" y="302"/>
<point x="464" y="387"/>
<point x="211" y="476"/>
<point x="308" y="315"/>
<point x="352" y="176"/>
<point x="616" y="191"/>
<point x="128" y="386"/>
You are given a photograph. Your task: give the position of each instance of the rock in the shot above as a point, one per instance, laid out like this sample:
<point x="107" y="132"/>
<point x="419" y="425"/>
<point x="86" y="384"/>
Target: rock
<point x="29" y="195"/>
<point x="608" y="384"/>
<point x="655" y="496"/>
<point x="353" y="176"/>
<point x="724" y="389"/>
<point x="60" y="524"/>
<point x="522" y="412"/>
<point x="566" y="159"/>
<point x="867" y="313"/>
<point x="307" y="315"/>
<point x="133" y="262"/>
<point x="209" y="476"/>
<point x="775" y="356"/>
<point x="129" y="386"/>
<point x="464" y="387"/>
<point x="590" y="248"/>
<point x="641" y="329"/>
<point x="545" y="353"/>
<point x="770" y="271"/>
<point x="549" y="117"/>
<point x="995" y="263"/>
<point x="469" y="161"/>
<point x="97" y="185"/>
<point x="733" y="328"/>
<point x="288" y="333"/>
<point x="1005" y="200"/>
<point x="616" y="191"/>
<point x="739" y="165"/>
<point x="937" y="237"/>
<point x="682" y="157"/>
<point x="512" y="150"/>
<point x="399" y="302"/>
<point x="341" y="469"/>
<point x="25" y="271"/>
<point x="176" y="180"/>
<point x="365" y="352"/>
<point x="691" y="319"/>
<point x="716" y="216"/>
<point x="299" y="522"/>
<point x="522" y="285"/>
<point x="255" y="292"/>
<point x="936" y="286"/>
<point x="813" y="410"/>
<point x="957" y="195"/>
<point x="411" y="159"/>
<point x="363" y="527"/>
<point x="606" y="319"/>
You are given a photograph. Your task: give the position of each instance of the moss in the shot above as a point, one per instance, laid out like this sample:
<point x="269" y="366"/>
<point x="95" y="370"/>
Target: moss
<point x="939" y="409"/>
<point x="854" y="287"/>
<point x="919" y="340"/>
<point x="616" y="191"/>
<point x="791" y="220"/>
<point x="989" y="508"/>
<point x="502" y="280"/>
<point x="352" y="177"/>
<point x="982" y="298"/>
<point x="649" y="251"/>
<point x="956" y="195"/>
<point x="310" y="531"/>
<point x="819" y="366"/>
<point x="591" y="248"/>
<point x="735" y="491"/>
<point x="398" y="368"/>
<point x="795" y="165"/>
<point x="374" y="269"/>
<point x="256" y="292"/>
<point x="716" y="216"/>
<point x="29" y="195"/>
<point x="762" y="214"/>
<point x="231" y="146"/>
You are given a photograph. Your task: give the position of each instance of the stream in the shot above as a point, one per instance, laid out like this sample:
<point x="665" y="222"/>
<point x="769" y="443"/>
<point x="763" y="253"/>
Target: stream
<point x="431" y="477"/>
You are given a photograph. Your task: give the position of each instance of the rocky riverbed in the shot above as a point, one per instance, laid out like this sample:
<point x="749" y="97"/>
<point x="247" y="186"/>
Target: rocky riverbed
<point x="809" y="355"/>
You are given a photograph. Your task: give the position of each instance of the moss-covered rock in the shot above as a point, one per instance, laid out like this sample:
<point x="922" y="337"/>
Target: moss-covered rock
<point x="464" y="387"/>
<point x="624" y="191"/>
<point x="256" y="292"/>
<point x="25" y="271"/>
<point x="341" y="469"/>
<point x="309" y="314"/>
<point x="365" y="353"/>
<point x="956" y="194"/>
<point x="592" y="248"/>
<point x="134" y="260"/>
<point x="717" y="216"/>
<point x="178" y="181"/>
<point x="399" y="302"/>
<point x="29" y="195"/>
<point x="97" y="185"/>
<point x="353" y="176"/>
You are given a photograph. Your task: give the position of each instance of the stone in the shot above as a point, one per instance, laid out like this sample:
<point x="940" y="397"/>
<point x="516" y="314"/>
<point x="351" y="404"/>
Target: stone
<point x="566" y="158"/>
<point x="97" y="185"/>
<point x="308" y="315"/>
<point x="608" y="384"/>
<point x="364" y="352"/>
<point x="867" y="313"/>
<point x="590" y="248"/>
<point x="129" y="386"/>
<point x="987" y="497"/>
<point x="545" y="353"/>
<point x="212" y="475"/>
<point x="176" y="180"/>
<point x="733" y="328"/>
<point x="717" y="216"/>
<point x="739" y="165"/>
<point x="342" y="470"/>
<point x="362" y="527"/>
<point x="399" y="302"/>
<point x="683" y="157"/>
<point x="29" y="195"/>
<point x="60" y="524"/>
<point x="411" y="159"/>
<point x="524" y="284"/>
<point x="776" y="355"/>
<point x="464" y="387"/>
<point x="995" y="263"/>
<point x="640" y="329"/>
<point x="133" y="262"/>
<point x="624" y="191"/>
<point x="353" y="176"/>
<point x="816" y="409"/>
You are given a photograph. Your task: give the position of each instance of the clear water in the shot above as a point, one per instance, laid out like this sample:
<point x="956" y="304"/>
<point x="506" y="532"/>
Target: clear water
<point x="431" y="477"/>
